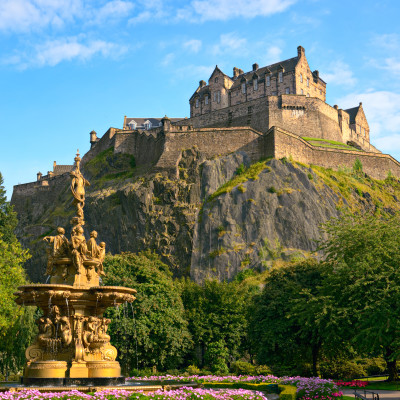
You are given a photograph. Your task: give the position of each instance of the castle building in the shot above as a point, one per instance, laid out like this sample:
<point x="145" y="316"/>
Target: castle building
<point x="144" y="124"/>
<point x="285" y="94"/>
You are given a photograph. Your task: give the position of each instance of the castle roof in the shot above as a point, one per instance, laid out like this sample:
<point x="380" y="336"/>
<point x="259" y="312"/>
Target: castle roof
<point x="155" y="122"/>
<point x="62" y="169"/>
<point x="353" y="113"/>
<point x="286" y="65"/>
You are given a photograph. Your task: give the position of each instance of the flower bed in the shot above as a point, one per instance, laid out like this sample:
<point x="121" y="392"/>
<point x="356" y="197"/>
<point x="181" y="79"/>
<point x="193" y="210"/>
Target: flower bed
<point x="211" y="378"/>
<point x="353" y="384"/>
<point x="314" y="388"/>
<point x="179" y="394"/>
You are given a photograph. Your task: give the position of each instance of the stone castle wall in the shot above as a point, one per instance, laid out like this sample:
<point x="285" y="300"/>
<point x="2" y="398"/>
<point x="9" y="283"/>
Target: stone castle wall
<point x="306" y="116"/>
<point x="211" y="142"/>
<point x="280" y="143"/>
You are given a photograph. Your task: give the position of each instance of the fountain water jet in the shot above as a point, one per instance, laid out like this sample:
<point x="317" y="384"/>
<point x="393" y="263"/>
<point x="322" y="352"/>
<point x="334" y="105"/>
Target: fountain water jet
<point x="73" y="347"/>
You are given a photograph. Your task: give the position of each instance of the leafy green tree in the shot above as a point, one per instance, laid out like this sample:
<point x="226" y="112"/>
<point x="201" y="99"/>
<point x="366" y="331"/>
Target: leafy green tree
<point x="360" y="293"/>
<point x="217" y="312"/>
<point x="216" y="357"/>
<point x="281" y="334"/>
<point x="8" y="218"/>
<point x="12" y="275"/>
<point x="153" y="332"/>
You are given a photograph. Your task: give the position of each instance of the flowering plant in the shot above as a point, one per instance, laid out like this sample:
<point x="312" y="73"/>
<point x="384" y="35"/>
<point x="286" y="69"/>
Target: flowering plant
<point x="314" y="388"/>
<point x="179" y="394"/>
<point x="355" y="384"/>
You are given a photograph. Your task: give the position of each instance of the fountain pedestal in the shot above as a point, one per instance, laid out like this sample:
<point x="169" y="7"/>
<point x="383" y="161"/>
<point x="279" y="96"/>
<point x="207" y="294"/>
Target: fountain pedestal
<point x="73" y="346"/>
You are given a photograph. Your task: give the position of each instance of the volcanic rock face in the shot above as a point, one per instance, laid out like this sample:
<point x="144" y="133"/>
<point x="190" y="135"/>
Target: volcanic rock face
<point x="203" y="224"/>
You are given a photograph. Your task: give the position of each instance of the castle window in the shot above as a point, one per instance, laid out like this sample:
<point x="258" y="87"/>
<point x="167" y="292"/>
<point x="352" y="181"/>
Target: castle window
<point x="255" y="84"/>
<point x="360" y="128"/>
<point x="274" y="93"/>
<point x="215" y="96"/>
<point x="268" y="81"/>
<point x="308" y="94"/>
<point x="197" y="103"/>
<point x="301" y="78"/>
<point x="287" y="90"/>
<point x="216" y="80"/>
<point x="243" y="87"/>
<point x="280" y="76"/>
<point x="320" y="91"/>
<point x="308" y="82"/>
<point x="302" y="92"/>
<point x="206" y="100"/>
<point x="218" y="97"/>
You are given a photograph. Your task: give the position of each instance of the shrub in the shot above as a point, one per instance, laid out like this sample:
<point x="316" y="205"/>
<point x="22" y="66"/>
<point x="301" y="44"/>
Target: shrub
<point x="216" y="357"/>
<point x="288" y="392"/>
<point x="272" y="190"/>
<point x="243" y="368"/>
<point x="263" y="370"/>
<point x="341" y="369"/>
<point x="193" y="370"/>
<point x="357" y="167"/>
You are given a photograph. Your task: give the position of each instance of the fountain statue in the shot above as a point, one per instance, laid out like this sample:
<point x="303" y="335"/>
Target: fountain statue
<point x="72" y="346"/>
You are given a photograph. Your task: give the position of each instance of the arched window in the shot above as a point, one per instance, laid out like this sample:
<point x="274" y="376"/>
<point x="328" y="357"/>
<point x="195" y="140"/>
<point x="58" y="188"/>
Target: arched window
<point x="301" y="78"/>
<point x="255" y="84"/>
<point x="244" y="87"/>
<point x="206" y="100"/>
<point x="197" y="103"/>
<point x="268" y="80"/>
<point x="280" y="76"/>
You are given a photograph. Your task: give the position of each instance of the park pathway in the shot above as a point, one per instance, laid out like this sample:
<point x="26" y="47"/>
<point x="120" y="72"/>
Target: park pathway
<point x="383" y="394"/>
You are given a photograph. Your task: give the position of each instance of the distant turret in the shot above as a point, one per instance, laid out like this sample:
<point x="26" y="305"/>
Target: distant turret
<point x="93" y="138"/>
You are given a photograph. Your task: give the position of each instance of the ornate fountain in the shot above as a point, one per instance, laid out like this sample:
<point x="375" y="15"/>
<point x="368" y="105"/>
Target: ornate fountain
<point x="73" y="347"/>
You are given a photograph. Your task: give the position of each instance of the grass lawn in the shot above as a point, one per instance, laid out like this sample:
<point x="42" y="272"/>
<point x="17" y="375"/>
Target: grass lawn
<point x="329" y="143"/>
<point x="348" y="397"/>
<point x="383" y="386"/>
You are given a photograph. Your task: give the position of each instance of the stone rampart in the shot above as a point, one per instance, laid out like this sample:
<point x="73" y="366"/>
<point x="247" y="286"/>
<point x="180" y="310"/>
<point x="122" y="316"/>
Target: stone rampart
<point x="281" y="143"/>
<point x="211" y="142"/>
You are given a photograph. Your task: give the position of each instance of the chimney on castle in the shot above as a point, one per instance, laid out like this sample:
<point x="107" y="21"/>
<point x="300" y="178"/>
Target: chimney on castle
<point x="202" y="83"/>
<point x="54" y="165"/>
<point x="255" y="67"/>
<point x="300" y="51"/>
<point x="39" y="176"/>
<point x="93" y="137"/>
<point x="316" y="74"/>
<point x="235" y="72"/>
<point x="124" y="126"/>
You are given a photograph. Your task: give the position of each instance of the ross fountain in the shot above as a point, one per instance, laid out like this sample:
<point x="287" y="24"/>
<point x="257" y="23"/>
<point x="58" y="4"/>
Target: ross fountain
<point x="73" y="347"/>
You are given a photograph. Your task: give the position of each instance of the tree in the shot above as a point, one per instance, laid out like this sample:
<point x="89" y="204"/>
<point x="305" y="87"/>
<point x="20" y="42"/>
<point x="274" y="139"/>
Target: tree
<point x="8" y="218"/>
<point x="361" y="284"/>
<point x="217" y="312"/>
<point x="153" y="332"/>
<point x="12" y="275"/>
<point x="280" y="332"/>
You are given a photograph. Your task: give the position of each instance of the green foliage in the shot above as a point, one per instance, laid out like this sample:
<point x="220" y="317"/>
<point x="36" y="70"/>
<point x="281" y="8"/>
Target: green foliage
<point x="243" y="368"/>
<point x="362" y="251"/>
<point x="8" y="218"/>
<point x="217" y="312"/>
<point x="357" y="167"/>
<point x="329" y="144"/>
<point x="272" y="190"/>
<point x="287" y="392"/>
<point x="216" y="357"/>
<point x="341" y="369"/>
<point x="108" y="166"/>
<point x="154" y="331"/>
<point x="294" y="338"/>
<point x="242" y="175"/>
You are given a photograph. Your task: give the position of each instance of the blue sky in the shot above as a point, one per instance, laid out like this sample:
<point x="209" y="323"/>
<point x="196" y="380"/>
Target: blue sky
<point x="70" y="66"/>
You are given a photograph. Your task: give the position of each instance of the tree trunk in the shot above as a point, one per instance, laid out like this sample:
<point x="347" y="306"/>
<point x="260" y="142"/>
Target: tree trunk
<point x="315" y="355"/>
<point x="391" y="365"/>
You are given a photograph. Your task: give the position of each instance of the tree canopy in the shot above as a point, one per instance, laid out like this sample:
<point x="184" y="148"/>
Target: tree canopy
<point x="153" y="332"/>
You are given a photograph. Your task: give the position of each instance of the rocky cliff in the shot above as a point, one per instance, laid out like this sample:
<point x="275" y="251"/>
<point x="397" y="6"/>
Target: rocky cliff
<point x="220" y="217"/>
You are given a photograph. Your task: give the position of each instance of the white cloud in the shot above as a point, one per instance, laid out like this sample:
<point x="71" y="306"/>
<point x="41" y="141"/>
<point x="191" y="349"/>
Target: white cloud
<point x="339" y="73"/>
<point x="167" y="60"/>
<point x="193" y="45"/>
<point x="382" y="109"/>
<point x="230" y="43"/>
<point x="209" y="10"/>
<point x="195" y="71"/>
<point x="272" y="55"/>
<point x="115" y="9"/>
<point x="54" y="52"/>
<point x="24" y="15"/>
<point x="27" y="15"/>
<point x="387" y="41"/>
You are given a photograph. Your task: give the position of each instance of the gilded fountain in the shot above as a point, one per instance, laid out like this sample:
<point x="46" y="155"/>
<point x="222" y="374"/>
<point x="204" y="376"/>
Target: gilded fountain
<point x="73" y="346"/>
